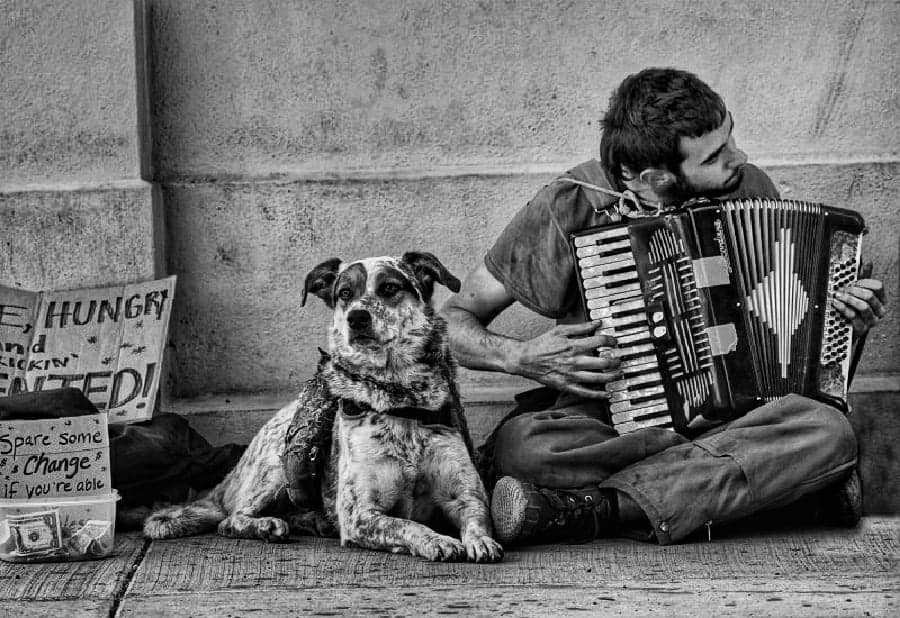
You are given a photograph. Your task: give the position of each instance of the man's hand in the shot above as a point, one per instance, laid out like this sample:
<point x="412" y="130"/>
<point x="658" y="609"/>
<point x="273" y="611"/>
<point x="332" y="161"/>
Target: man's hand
<point x="564" y="358"/>
<point x="862" y="303"/>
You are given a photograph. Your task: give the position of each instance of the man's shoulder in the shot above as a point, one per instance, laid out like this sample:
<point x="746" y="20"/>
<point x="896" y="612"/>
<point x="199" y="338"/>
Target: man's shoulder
<point x="587" y="179"/>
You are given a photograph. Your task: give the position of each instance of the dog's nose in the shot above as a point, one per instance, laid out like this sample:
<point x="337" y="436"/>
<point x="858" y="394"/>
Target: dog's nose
<point x="359" y="319"/>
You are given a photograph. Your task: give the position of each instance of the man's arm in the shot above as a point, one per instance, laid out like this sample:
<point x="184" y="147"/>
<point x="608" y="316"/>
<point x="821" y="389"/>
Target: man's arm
<point x="563" y="357"/>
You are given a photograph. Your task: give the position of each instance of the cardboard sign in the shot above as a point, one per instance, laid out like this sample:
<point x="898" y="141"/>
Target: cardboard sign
<point x="108" y="342"/>
<point x="54" y="457"/>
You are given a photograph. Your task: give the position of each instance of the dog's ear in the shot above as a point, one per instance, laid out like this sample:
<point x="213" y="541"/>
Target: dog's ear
<point x="428" y="269"/>
<point x="320" y="280"/>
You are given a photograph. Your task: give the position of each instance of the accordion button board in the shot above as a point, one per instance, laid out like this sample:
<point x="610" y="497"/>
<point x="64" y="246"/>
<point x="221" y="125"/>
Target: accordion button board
<point x="720" y="307"/>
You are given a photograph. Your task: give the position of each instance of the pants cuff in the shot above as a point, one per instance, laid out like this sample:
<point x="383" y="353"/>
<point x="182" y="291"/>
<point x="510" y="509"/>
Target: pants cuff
<point x="659" y="527"/>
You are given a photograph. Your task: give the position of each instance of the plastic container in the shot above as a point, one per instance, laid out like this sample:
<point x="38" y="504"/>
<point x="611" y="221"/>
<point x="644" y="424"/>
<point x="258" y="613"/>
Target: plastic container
<point x="58" y="529"/>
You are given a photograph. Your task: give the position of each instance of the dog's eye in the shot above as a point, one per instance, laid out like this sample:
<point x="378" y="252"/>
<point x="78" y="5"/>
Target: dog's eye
<point x="389" y="289"/>
<point x="345" y="294"/>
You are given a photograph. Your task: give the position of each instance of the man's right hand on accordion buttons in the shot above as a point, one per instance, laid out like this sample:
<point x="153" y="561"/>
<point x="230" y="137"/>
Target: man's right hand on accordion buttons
<point x="862" y="302"/>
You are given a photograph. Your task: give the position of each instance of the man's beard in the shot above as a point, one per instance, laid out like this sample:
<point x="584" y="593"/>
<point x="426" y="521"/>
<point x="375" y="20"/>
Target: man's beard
<point x="684" y="190"/>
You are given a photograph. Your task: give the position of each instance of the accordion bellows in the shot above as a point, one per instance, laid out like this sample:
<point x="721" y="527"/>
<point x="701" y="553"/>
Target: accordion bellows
<point x="721" y="306"/>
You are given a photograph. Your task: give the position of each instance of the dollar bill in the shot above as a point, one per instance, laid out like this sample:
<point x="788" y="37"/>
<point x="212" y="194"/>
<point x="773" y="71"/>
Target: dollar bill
<point x="36" y="533"/>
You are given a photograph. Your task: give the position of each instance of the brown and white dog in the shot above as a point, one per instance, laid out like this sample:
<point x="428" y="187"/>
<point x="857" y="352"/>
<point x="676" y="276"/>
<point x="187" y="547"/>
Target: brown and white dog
<point x="388" y="375"/>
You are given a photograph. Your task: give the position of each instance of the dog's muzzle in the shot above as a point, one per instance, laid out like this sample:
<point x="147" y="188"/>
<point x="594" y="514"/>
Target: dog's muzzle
<point x="359" y="320"/>
<point x="359" y="323"/>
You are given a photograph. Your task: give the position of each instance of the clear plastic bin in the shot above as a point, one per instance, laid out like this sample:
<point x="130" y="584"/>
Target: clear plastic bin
<point x="58" y="529"/>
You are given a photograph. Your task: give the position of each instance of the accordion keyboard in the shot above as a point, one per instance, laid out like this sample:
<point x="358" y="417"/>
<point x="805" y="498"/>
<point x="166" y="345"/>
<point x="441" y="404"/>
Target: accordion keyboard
<point x="613" y="295"/>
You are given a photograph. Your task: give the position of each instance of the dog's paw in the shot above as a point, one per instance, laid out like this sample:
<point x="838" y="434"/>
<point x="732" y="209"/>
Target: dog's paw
<point x="483" y="549"/>
<point x="440" y="548"/>
<point x="269" y="529"/>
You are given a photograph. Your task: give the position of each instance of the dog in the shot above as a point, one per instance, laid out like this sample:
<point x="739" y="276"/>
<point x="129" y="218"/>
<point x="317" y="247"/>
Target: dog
<point x="400" y="453"/>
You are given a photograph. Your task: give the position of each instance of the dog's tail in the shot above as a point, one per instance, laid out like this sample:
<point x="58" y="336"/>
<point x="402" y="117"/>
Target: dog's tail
<point x="184" y="519"/>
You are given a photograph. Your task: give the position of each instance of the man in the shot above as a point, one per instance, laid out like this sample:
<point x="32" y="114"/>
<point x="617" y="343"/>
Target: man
<point x="566" y="474"/>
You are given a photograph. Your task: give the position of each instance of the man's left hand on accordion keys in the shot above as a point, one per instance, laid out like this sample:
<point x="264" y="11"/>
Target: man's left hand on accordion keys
<point x="566" y="358"/>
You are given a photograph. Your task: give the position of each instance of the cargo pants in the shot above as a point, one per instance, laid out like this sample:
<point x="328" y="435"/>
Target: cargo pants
<point x="768" y="458"/>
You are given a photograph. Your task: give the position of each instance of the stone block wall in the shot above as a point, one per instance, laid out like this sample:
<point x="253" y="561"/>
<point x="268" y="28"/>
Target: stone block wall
<point x="74" y="207"/>
<point x="286" y="133"/>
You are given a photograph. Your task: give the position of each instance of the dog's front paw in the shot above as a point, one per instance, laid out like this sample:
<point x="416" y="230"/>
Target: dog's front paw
<point x="440" y="548"/>
<point x="483" y="549"/>
<point x="269" y="529"/>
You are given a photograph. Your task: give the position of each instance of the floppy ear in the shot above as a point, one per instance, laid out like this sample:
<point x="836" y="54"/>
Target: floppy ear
<point x="319" y="281"/>
<point x="428" y="269"/>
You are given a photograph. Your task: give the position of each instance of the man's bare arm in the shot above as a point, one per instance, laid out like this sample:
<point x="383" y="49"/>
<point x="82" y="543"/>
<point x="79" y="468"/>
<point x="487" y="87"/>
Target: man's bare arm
<point x="562" y="358"/>
<point x="479" y="301"/>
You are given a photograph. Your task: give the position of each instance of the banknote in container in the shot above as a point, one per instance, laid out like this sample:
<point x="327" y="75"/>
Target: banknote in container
<point x="36" y="534"/>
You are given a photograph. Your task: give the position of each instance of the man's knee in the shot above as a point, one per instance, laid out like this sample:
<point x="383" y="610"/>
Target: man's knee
<point x="814" y="424"/>
<point x="518" y="449"/>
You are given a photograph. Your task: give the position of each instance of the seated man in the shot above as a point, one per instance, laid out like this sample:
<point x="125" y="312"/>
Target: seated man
<point x="565" y="473"/>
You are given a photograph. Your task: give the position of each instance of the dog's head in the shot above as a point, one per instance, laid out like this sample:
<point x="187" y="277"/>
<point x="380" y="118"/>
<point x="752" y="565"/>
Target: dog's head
<point x="382" y="306"/>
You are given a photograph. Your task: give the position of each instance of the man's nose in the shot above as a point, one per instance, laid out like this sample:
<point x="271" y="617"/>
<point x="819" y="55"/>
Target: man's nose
<point x="359" y="319"/>
<point x="738" y="157"/>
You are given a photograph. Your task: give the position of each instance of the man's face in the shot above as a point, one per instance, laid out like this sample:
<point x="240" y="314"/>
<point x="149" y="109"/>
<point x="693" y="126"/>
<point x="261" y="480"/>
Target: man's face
<point x="712" y="162"/>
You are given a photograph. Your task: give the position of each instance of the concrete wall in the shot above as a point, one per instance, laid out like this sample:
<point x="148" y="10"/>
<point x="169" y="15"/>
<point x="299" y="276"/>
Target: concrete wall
<point x="74" y="210"/>
<point x="285" y="133"/>
<point x="266" y="136"/>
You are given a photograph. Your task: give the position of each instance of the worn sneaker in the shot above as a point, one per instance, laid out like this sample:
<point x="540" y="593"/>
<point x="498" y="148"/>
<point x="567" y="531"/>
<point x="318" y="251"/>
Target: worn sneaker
<point x="526" y="514"/>
<point x="839" y="505"/>
<point x="842" y="504"/>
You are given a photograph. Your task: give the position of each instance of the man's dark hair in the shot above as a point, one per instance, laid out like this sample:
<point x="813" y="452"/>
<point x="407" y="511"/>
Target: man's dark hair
<point x="648" y="114"/>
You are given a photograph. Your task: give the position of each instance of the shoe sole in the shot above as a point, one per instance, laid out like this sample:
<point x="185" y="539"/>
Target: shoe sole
<point x="509" y="506"/>
<point x="849" y="510"/>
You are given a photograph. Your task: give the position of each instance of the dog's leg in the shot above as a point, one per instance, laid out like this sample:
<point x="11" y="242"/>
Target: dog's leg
<point x="255" y="485"/>
<point x="370" y="528"/>
<point x="256" y="491"/>
<point x="363" y="499"/>
<point x="459" y="492"/>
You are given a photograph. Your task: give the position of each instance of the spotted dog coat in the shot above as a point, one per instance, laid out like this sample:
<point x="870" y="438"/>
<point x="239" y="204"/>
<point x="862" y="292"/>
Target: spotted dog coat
<point x="399" y="453"/>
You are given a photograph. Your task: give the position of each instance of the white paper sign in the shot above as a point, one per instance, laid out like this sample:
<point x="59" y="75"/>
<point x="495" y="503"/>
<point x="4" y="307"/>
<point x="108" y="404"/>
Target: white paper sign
<point x="54" y="457"/>
<point x="108" y="342"/>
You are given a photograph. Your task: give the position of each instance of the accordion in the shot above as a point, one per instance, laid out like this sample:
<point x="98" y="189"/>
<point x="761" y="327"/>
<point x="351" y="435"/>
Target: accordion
<point x="721" y="306"/>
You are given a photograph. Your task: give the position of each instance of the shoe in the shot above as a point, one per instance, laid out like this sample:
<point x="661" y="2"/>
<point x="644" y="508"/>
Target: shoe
<point x="841" y="505"/>
<point x="526" y="514"/>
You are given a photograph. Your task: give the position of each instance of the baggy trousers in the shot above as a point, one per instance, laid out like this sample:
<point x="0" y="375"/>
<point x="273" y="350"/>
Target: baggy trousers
<point x="768" y="458"/>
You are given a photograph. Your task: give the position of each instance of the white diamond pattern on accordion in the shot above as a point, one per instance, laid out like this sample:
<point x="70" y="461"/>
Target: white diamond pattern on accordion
<point x="781" y="288"/>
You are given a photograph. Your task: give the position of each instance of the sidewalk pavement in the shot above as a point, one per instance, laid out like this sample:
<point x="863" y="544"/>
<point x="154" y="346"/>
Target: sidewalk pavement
<point x="790" y="572"/>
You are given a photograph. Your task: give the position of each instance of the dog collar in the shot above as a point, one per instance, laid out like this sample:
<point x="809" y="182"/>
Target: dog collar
<point x="353" y="410"/>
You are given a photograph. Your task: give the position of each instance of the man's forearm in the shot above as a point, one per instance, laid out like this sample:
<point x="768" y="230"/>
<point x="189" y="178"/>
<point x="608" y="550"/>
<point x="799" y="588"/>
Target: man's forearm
<point x="475" y="347"/>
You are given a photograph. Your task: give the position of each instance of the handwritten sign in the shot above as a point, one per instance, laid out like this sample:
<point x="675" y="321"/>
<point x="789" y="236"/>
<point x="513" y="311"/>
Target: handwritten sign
<point x="54" y="457"/>
<point x="108" y="342"/>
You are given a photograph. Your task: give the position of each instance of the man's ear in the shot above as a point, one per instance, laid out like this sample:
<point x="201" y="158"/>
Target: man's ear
<point x="427" y="269"/>
<point x="320" y="280"/>
<point x="659" y="180"/>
